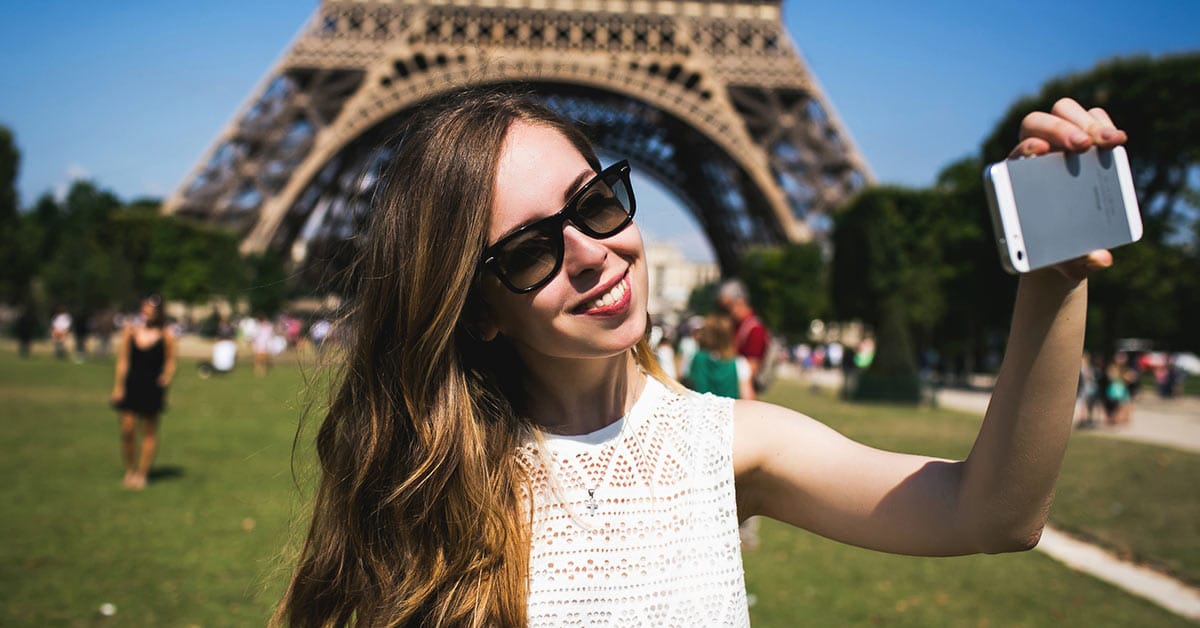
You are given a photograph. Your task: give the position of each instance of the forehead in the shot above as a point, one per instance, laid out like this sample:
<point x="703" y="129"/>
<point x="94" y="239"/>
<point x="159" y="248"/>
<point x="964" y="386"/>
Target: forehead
<point x="538" y="170"/>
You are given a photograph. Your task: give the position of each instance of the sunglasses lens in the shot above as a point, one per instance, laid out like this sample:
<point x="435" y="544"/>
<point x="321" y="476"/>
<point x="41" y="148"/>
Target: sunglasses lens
<point x="604" y="207"/>
<point x="527" y="259"/>
<point x="531" y="256"/>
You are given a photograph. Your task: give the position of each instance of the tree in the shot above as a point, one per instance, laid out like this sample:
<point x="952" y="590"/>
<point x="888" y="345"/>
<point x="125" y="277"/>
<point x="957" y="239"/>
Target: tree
<point x="887" y="272"/>
<point x="703" y="298"/>
<point x="81" y="267"/>
<point x="788" y="286"/>
<point x="266" y="286"/>
<point x="13" y="285"/>
<point x="1150" y="99"/>
<point x="978" y="293"/>
<point x="190" y="262"/>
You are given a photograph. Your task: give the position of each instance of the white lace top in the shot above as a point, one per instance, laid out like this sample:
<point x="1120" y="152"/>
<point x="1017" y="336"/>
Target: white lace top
<point x="656" y="542"/>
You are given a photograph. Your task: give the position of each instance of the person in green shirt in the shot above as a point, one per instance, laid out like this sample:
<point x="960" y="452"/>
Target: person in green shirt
<point x="717" y="368"/>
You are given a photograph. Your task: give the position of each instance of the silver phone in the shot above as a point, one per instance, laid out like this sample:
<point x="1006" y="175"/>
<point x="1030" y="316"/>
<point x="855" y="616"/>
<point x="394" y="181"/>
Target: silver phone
<point x="1059" y="206"/>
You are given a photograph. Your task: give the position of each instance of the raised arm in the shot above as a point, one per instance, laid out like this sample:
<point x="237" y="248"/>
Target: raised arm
<point x="792" y="468"/>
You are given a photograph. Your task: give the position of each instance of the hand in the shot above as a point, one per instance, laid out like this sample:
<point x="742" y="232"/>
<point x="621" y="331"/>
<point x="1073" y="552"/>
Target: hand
<point x="164" y="380"/>
<point x="118" y="393"/>
<point x="1071" y="128"/>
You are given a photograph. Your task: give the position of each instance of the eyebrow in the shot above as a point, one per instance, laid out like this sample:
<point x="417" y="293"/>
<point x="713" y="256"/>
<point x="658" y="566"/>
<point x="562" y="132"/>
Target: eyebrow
<point x="573" y="189"/>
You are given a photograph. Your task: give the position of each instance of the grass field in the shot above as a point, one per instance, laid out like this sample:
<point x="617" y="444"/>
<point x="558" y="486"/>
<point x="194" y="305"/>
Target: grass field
<point x="205" y="544"/>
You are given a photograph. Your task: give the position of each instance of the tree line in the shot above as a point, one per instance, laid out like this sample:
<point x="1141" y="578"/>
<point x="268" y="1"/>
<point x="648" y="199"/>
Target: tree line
<point x="920" y="266"/>
<point x="88" y="251"/>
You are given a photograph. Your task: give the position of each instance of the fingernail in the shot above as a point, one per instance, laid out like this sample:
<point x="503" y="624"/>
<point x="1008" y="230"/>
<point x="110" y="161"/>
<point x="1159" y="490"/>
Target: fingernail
<point x="1110" y="135"/>
<point x="1078" y="138"/>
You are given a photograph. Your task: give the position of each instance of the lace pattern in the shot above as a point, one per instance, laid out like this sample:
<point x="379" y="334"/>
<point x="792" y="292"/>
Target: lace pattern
<point x="659" y="545"/>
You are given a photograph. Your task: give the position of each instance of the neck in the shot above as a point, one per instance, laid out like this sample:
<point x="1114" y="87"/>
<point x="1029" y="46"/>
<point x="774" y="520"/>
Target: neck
<point x="578" y="396"/>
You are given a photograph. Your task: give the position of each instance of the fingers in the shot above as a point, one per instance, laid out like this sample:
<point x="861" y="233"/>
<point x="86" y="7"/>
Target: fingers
<point x="1094" y="122"/>
<point x="1080" y="267"/>
<point x="1068" y="126"/>
<point x="1030" y="147"/>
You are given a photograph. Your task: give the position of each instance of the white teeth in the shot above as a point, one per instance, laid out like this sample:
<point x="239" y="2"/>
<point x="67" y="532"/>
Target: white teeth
<point x="608" y="298"/>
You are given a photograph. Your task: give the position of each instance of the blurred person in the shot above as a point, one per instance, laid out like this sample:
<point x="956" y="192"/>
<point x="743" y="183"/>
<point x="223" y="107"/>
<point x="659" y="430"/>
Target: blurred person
<point x="103" y="326"/>
<point x="25" y="328"/>
<point x="80" y="330"/>
<point x="688" y="346"/>
<point x="144" y="368"/>
<point x="60" y="331"/>
<point x="318" y="332"/>
<point x="1088" y="393"/>
<point x="750" y="335"/>
<point x="224" y="354"/>
<point x="262" y="343"/>
<point x="664" y="352"/>
<point x="1118" y="399"/>
<point x="717" y="368"/>
<point x="502" y="444"/>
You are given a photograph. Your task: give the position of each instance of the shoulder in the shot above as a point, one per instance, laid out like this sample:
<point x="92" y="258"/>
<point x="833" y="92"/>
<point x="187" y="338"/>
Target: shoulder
<point x="688" y="407"/>
<point x="762" y="429"/>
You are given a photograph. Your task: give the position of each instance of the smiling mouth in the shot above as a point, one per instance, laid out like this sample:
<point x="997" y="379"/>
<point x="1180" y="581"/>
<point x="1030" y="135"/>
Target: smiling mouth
<point x="615" y="300"/>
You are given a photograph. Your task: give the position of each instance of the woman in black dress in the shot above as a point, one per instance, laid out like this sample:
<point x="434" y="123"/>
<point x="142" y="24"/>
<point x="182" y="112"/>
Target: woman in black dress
<point x="145" y="365"/>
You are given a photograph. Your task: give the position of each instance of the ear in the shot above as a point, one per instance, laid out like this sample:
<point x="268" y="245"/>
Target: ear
<point x="478" y="321"/>
<point x="487" y="330"/>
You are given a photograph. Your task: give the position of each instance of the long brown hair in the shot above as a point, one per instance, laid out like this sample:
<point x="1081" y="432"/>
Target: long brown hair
<point x="419" y="516"/>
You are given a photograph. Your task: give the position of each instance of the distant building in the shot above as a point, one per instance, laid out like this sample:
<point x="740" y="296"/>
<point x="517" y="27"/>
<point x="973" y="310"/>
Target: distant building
<point x="672" y="278"/>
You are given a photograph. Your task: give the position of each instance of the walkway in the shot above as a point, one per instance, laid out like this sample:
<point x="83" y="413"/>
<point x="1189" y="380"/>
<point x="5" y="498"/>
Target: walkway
<point x="1171" y="423"/>
<point x="1167" y="422"/>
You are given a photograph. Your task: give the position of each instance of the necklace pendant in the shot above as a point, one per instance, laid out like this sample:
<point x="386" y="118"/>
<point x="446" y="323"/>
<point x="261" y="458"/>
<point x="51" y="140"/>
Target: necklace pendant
<point x="592" y="506"/>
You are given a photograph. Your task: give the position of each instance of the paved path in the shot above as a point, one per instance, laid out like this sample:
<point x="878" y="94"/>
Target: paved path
<point x="1167" y="422"/>
<point x="1171" y="423"/>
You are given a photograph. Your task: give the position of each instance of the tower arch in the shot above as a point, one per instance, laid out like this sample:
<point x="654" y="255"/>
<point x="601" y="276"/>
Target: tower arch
<point x="709" y="98"/>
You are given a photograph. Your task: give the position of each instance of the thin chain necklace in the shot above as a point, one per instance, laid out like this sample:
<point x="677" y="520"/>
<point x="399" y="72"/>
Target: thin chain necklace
<point x="592" y="504"/>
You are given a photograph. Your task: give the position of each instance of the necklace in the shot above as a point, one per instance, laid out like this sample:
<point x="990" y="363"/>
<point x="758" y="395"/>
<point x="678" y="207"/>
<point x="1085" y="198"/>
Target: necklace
<point x="592" y="505"/>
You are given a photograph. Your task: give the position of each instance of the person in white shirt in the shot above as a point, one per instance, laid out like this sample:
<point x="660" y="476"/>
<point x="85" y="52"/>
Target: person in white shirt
<point x="503" y="448"/>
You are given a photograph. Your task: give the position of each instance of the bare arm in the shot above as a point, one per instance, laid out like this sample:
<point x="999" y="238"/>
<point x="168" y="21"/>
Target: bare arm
<point x="794" y="469"/>
<point x="122" y="366"/>
<point x="168" y="373"/>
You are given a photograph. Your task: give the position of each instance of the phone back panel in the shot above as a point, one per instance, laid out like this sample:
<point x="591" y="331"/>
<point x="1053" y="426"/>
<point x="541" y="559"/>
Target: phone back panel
<point x="1069" y="204"/>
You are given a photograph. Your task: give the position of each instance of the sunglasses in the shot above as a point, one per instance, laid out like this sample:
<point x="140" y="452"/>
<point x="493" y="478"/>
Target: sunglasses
<point x="529" y="257"/>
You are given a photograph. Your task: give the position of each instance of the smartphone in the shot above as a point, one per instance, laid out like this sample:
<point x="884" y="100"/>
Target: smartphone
<point x="1059" y="206"/>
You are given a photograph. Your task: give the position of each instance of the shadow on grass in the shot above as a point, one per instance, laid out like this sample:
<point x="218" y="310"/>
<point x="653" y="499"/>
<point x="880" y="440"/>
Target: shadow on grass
<point x="165" y="472"/>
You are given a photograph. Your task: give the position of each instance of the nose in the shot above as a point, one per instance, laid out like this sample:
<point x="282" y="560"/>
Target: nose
<point x="581" y="253"/>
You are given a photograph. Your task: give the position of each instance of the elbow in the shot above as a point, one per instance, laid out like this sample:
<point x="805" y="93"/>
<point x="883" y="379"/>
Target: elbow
<point x="1013" y="538"/>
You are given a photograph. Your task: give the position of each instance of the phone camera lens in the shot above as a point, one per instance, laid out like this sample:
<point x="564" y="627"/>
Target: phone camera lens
<point x="1020" y="255"/>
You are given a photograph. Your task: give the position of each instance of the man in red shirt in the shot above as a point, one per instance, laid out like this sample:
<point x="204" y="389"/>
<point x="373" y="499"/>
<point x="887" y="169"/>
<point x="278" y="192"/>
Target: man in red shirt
<point x="750" y="335"/>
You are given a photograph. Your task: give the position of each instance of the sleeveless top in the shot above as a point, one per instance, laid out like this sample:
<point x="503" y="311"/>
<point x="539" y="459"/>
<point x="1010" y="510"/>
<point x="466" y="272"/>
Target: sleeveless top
<point x="142" y="392"/>
<point x="636" y="524"/>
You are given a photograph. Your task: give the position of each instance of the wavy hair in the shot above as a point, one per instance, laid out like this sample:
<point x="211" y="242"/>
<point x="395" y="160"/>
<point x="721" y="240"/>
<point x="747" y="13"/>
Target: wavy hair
<point x="420" y="516"/>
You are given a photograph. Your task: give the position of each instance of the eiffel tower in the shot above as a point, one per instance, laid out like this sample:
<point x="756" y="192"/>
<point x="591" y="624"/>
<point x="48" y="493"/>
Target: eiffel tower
<point x="708" y="97"/>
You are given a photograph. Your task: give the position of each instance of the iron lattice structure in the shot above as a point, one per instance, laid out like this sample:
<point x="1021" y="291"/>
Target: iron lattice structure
<point x="709" y="97"/>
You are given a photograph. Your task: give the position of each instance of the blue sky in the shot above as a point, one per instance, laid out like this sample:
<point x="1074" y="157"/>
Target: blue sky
<point x="130" y="94"/>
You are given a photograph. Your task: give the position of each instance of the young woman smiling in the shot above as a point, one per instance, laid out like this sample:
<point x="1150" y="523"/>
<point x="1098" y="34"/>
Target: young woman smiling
<point x="503" y="450"/>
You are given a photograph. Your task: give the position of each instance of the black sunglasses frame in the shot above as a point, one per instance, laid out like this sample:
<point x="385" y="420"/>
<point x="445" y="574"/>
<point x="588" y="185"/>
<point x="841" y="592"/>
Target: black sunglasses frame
<point x="553" y="226"/>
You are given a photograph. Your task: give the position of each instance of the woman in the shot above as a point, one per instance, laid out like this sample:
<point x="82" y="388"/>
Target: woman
<point x="145" y="366"/>
<point x="503" y="449"/>
<point x="717" y="368"/>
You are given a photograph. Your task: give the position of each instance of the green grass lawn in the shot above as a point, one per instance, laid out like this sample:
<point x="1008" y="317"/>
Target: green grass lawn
<point x="205" y="543"/>
<point x="1138" y="500"/>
